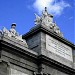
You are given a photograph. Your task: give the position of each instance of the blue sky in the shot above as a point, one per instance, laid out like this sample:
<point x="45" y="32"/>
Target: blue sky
<point x="22" y="12"/>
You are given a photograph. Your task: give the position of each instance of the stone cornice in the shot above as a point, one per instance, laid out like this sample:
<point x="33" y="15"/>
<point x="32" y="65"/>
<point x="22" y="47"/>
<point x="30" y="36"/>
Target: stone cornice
<point x="48" y="61"/>
<point x="42" y="28"/>
<point x="14" y="47"/>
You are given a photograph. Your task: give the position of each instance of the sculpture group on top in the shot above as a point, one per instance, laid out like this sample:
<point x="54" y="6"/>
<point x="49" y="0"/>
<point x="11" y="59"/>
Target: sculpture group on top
<point x="13" y="34"/>
<point x="47" y="20"/>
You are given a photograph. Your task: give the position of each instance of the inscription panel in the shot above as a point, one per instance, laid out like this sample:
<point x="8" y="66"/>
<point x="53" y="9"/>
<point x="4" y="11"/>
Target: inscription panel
<point x="58" y="48"/>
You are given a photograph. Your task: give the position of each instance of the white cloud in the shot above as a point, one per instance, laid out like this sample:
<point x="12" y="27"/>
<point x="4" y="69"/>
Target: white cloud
<point x="54" y="6"/>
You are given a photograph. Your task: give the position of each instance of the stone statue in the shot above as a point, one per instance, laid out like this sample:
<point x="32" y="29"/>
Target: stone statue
<point x="56" y="28"/>
<point x="47" y="20"/>
<point x="45" y="13"/>
<point x="5" y="30"/>
<point x="44" y="17"/>
<point x="37" y="20"/>
<point x="12" y="33"/>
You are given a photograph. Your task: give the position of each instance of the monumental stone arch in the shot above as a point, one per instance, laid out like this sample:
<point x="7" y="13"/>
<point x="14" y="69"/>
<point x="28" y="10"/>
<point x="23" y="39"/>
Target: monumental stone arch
<point x="41" y="51"/>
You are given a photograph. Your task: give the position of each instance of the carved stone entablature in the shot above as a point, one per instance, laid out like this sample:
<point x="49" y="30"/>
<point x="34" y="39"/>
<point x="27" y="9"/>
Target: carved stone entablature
<point x="47" y="20"/>
<point x="13" y="34"/>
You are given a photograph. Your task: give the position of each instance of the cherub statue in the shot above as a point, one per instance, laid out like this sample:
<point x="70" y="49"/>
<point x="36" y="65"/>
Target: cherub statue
<point x="5" y="31"/>
<point x="56" y="29"/>
<point x="37" y="20"/>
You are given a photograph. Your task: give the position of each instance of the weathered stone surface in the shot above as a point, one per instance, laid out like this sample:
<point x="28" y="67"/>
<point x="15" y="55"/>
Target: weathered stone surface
<point x="16" y="70"/>
<point x="38" y="57"/>
<point x="39" y="38"/>
<point x="34" y="42"/>
<point x="49" y="70"/>
<point x="3" y="68"/>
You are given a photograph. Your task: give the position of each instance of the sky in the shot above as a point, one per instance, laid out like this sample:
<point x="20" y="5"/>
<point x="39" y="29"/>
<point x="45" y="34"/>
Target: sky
<point x="22" y="12"/>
